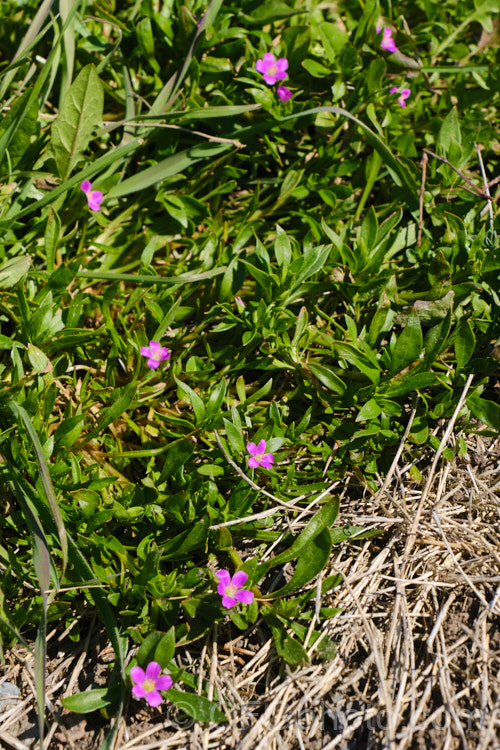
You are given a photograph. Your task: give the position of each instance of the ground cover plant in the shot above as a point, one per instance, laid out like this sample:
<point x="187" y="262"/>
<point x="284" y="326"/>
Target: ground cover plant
<point x="249" y="257"/>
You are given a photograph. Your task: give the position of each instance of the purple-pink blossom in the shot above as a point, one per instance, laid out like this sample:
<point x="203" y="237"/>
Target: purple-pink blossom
<point x="231" y="589"/>
<point x="156" y="353"/>
<point x="387" y="42"/>
<point x="149" y="683"/>
<point x="259" y="457"/>
<point x="405" y="93"/>
<point x="284" y="94"/>
<point x="94" y="197"/>
<point x="272" y="70"/>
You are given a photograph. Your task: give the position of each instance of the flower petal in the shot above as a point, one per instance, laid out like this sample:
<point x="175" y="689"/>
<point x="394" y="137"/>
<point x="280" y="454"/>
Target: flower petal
<point x="86" y="186"/>
<point x="164" y="682"/>
<point x="228" y="601"/>
<point x="261" y="446"/>
<point x="154" y="698"/>
<point x="153" y="364"/>
<point x="253" y="463"/>
<point x="153" y="670"/>
<point x="145" y="351"/>
<point x="282" y="64"/>
<point x="138" y="691"/>
<point x="269" y="59"/>
<point x="252" y="448"/>
<point x="240" y="578"/>
<point x="137" y="674"/>
<point x="260" y="66"/>
<point x="244" y="596"/>
<point x="223" y="577"/>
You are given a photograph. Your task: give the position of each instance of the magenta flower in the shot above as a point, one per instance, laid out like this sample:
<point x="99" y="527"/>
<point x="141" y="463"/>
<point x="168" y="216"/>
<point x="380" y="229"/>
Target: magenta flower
<point x="405" y="93"/>
<point x="148" y="684"/>
<point x="240" y="302"/>
<point x="156" y="354"/>
<point x="94" y="197"/>
<point x="258" y="455"/>
<point x="284" y="94"/>
<point x="387" y="42"/>
<point x="272" y="70"/>
<point x="231" y="588"/>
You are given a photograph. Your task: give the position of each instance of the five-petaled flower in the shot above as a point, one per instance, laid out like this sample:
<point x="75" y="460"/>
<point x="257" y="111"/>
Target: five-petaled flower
<point x="94" y="197"/>
<point x="156" y="354"/>
<point x="284" y="94"/>
<point x="231" y="589"/>
<point x="387" y="42"/>
<point x="259" y="457"/>
<point x="149" y="683"/>
<point x="405" y="93"/>
<point x="272" y="70"/>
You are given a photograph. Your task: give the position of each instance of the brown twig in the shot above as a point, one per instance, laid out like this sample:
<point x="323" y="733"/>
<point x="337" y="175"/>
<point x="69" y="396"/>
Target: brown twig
<point x="474" y="189"/>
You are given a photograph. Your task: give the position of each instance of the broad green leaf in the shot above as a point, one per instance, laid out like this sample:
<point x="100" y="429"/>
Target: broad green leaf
<point x="14" y="270"/>
<point x="92" y="700"/>
<point x="409" y="345"/>
<point x="353" y="354"/>
<point x="197" y="706"/>
<point x="327" y="377"/>
<point x="234" y="436"/>
<point x="486" y="411"/>
<point x="81" y="112"/>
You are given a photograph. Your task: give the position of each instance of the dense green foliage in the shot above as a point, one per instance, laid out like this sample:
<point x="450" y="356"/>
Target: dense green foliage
<point x="113" y="476"/>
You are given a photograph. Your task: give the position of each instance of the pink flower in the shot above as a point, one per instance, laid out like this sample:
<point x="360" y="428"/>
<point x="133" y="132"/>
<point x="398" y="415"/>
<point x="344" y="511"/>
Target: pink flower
<point x="405" y="93"/>
<point x="231" y="588"/>
<point x="284" y="94"/>
<point x="272" y="70"/>
<point x="156" y="354"/>
<point x="258" y="455"/>
<point x="94" y="197"/>
<point x="239" y="302"/>
<point x="387" y="42"/>
<point x="147" y="684"/>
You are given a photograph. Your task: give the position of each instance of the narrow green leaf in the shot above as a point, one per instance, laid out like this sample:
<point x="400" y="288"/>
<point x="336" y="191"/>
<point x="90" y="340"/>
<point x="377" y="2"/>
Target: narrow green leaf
<point x="312" y="560"/>
<point x="465" y="343"/>
<point x="123" y="399"/>
<point x="168" y="167"/>
<point x="187" y="393"/>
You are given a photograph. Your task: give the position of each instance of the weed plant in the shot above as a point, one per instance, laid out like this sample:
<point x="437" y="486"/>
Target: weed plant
<point x="223" y="291"/>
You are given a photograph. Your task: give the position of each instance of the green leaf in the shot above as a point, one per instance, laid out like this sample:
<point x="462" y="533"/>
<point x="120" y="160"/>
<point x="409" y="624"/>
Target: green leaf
<point x="234" y="436"/>
<point x="81" y="112"/>
<point x="409" y="345"/>
<point x="186" y="392"/>
<point x="283" y="250"/>
<point x="197" y="706"/>
<point x="92" y="700"/>
<point x="287" y="647"/>
<point x="486" y="411"/>
<point x="312" y="560"/>
<point x="123" y="398"/>
<point x="22" y="129"/>
<point x="465" y="343"/>
<point x="168" y="167"/>
<point x="328" y="378"/>
<point x="14" y="270"/>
